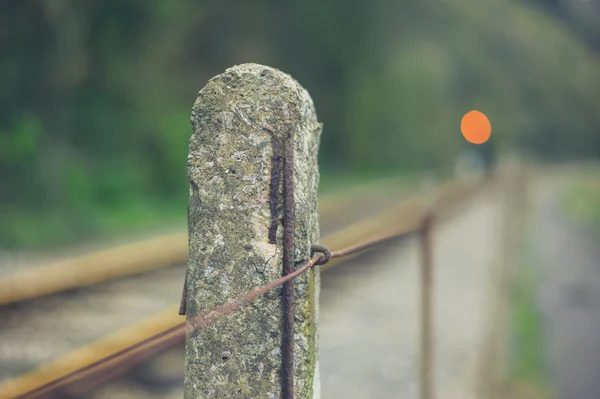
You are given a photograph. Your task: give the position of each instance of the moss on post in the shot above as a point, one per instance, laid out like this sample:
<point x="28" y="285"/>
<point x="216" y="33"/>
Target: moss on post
<point x="242" y="121"/>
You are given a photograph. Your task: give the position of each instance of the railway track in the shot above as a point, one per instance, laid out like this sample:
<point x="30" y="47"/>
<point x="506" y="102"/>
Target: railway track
<point x="50" y="332"/>
<point x="21" y="282"/>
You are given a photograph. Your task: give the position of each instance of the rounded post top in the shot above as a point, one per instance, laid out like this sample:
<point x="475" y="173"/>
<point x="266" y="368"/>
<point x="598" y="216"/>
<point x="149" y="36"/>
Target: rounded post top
<point x="254" y="96"/>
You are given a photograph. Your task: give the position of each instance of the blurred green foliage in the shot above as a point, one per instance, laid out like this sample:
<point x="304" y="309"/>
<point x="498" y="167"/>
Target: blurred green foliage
<point x="581" y="17"/>
<point x="96" y="95"/>
<point x="527" y="330"/>
<point x="527" y="374"/>
<point x="581" y="201"/>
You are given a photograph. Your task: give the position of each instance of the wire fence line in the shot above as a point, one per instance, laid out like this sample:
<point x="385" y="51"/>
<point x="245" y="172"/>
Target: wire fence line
<point x="100" y="372"/>
<point x="78" y="382"/>
<point x="96" y="364"/>
<point x="85" y="379"/>
<point x="225" y="194"/>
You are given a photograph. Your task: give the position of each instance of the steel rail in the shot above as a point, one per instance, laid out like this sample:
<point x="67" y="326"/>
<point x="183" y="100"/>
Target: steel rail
<point x="139" y="342"/>
<point x="108" y="367"/>
<point x="136" y="258"/>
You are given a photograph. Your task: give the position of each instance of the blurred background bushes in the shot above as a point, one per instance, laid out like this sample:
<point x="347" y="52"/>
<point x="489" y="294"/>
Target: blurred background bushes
<point x="96" y="95"/>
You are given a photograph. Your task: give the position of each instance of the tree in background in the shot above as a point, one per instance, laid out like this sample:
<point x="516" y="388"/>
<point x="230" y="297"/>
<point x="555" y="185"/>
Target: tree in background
<point x="95" y="99"/>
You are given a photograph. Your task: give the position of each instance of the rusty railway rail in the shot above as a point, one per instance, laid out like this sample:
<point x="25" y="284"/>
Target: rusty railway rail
<point x="108" y="358"/>
<point x="150" y="254"/>
<point x="89" y="377"/>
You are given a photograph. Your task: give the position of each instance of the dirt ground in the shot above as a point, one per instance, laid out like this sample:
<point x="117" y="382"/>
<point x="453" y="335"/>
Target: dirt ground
<point x="370" y="313"/>
<point x="568" y="258"/>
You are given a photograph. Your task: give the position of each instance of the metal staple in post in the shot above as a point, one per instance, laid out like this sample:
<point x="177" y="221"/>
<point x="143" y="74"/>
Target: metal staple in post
<point x="253" y="174"/>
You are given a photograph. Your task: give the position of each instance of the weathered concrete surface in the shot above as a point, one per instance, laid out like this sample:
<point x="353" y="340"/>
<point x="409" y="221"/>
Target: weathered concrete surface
<point x="370" y="312"/>
<point x="243" y="120"/>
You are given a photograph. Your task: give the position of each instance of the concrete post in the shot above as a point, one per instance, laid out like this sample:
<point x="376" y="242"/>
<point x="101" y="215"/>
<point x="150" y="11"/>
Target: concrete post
<point x="253" y="174"/>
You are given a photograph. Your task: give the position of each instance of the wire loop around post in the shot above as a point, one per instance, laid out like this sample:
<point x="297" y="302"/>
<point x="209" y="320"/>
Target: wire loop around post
<point x="322" y="250"/>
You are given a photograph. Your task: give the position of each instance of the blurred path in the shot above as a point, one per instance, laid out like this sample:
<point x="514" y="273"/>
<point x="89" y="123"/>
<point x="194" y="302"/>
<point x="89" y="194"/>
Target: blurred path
<point x="569" y="297"/>
<point x="369" y="315"/>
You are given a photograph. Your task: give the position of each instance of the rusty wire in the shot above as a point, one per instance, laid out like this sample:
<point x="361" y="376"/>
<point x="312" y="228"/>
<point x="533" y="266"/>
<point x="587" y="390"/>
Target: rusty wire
<point x="183" y="302"/>
<point x="95" y="374"/>
<point x="116" y="364"/>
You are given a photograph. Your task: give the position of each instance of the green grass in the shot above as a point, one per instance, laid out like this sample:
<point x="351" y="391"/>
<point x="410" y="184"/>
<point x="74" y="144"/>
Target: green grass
<point x="336" y="182"/>
<point x="581" y="201"/>
<point x="527" y="372"/>
<point x="527" y="361"/>
<point x="41" y="230"/>
<point x="23" y="230"/>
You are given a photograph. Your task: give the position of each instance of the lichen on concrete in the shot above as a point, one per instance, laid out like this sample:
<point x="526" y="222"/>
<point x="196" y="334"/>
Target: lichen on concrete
<point x="235" y="120"/>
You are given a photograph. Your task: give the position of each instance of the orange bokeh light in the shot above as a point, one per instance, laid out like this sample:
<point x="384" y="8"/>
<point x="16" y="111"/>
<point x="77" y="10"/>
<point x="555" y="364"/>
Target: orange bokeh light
<point x="476" y="127"/>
